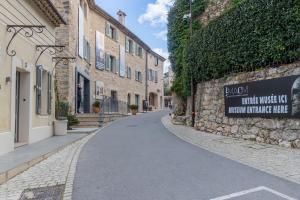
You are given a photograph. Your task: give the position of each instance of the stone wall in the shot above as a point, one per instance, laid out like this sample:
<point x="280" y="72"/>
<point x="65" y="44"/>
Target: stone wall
<point x="210" y="111"/>
<point x="214" y="9"/>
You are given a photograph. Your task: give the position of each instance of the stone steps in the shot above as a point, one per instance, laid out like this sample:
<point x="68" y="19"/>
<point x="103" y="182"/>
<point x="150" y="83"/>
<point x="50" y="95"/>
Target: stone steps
<point x="96" y="120"/>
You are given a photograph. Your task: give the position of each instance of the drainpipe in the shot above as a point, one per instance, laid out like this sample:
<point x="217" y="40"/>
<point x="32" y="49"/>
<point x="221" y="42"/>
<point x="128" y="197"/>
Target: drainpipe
<point x="146" y="88"/>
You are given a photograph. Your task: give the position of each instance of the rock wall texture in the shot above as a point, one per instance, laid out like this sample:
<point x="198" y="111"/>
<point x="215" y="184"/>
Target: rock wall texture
<point x="214" y="9"/>
<point x="210" y="111"/>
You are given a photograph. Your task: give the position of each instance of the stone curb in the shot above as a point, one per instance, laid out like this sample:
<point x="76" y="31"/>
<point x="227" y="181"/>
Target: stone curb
<point x="9" y="174"/>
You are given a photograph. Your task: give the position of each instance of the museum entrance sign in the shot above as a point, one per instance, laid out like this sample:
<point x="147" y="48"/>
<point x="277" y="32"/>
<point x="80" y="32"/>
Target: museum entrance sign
<point x="279" y="97"/>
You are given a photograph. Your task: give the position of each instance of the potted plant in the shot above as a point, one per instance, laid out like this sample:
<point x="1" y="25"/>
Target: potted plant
<point x="61" y="122"/>
<point x="96" y="106"/>
<point x="134" y="109"/>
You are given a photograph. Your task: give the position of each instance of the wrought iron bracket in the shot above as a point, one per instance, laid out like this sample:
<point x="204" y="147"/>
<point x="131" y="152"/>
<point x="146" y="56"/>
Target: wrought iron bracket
<point x="16" y="29"/>
<point x="53" y="49"/>
<point x="65" y="60"/>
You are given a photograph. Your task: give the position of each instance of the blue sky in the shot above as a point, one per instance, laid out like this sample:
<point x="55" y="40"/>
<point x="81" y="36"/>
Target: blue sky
<point x="146" y="18"/>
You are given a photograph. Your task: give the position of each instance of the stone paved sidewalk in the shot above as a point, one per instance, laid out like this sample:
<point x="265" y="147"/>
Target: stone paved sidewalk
<point x="56" y="170"/>
<point x="275" y="160"/>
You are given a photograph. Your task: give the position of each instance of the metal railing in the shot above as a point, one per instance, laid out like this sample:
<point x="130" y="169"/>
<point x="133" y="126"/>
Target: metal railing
<point x="109" y="105"/>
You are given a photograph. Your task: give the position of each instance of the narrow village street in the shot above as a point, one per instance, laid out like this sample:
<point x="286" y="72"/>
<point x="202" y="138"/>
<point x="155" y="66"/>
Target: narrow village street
<point x="138" y="158"/>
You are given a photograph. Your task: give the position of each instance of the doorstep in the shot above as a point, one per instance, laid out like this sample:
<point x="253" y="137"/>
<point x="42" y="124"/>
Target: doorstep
<point x="22" y="158"/>
<point x="82" y="130"/>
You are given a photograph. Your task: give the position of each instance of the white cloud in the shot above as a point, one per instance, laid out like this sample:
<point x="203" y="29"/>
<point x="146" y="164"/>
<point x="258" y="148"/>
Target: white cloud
<point x="164" y="54"/>
<point x="156" y="13"/>
<point x="162" y="35"/>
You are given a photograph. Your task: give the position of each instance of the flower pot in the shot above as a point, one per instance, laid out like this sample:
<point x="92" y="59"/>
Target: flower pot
<point x="60" y="127"/>
<point x="96" y="110"/>
<point x="133" y="111"/>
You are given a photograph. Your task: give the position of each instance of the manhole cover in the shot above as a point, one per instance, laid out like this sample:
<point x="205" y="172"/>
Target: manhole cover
<point x="43" y="193"/>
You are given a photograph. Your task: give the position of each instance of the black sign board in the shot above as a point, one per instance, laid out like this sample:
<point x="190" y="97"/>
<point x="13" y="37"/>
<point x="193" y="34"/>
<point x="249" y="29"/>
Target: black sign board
<point x="279" y="97"/>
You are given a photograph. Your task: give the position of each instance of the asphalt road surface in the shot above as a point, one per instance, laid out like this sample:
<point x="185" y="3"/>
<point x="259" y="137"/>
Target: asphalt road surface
<point x="136" y="158"/>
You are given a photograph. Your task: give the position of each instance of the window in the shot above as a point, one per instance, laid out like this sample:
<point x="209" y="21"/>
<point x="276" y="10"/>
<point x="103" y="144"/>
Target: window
<point x="87" y="51"/>
<point x="129" y="72"/>
<point x="129" y="46"/>
<point x="156" y="61"/>
<point x="138" y="76"/>
<point x="43" y="91"/>
<point x="140" y="52"/>
<point x="111" y="63"/>
<point x="38" y="89"/>
<point x="111" y="31"/>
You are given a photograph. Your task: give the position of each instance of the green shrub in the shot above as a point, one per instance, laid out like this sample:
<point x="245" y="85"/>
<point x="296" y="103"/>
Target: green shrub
<point x="252" y="34"/>
<point x="72" y="120"/>
<point x="62" y="110"/>
<point x="133" y="107"/>
<point x="96" y="104"/>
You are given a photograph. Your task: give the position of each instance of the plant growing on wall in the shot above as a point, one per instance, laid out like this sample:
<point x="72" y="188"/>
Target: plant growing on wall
<point x="250" y="35"/>
<point x="178" y="36"/>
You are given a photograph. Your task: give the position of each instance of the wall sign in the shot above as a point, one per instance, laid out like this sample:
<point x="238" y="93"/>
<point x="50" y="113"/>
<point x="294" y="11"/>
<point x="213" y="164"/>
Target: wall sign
<point x="278" y="97"/>
<point x="100" y="64"/>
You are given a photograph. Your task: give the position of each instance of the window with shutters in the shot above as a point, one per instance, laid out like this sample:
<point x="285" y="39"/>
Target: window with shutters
<point x="129" y="72"/>
<point x="130" y="46"/>
<point x="156" y="61"/>
<point x="38" y="89"/>
<point x="111" y="31"/>
<point x="140" y="52"/>
<point x="155" y="76"/>
<point x="87" y="51"/>
<point x="138" y="76"/>
<point x="43" y="91"/>
<point x="111" y="63"/>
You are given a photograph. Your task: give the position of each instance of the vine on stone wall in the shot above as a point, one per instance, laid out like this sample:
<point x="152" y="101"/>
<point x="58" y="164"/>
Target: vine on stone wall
<point x="249" y="35"/>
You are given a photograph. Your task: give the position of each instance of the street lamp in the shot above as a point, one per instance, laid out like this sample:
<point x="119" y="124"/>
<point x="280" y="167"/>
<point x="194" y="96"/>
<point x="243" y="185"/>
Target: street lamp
<point x="185" y="17"/>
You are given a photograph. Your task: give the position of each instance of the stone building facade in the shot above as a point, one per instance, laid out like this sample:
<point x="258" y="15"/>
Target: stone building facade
<point x="211" y="117"/>
<point x="26" y="85"/>
<point x="111" y="60"/>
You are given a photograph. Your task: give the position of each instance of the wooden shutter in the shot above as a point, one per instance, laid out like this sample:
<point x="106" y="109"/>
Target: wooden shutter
<point x="88" y="52"/>
<point x="49" y="105"/>
<point x="136" y="49"/>
<point x="133" y="47"/>
<point x="156" y="76"/>
<point x="38" y="105"/>
<point x="141" y="77"/>
<point x="107" y="29"/>
<point x="136" y="75"/>
<point x="117" y="61"/>
<point x="107" y="61"/>
<point x="126" y="44"/>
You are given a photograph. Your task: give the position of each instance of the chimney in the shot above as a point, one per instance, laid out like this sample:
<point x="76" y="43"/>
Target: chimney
<point x="122" y="16"/>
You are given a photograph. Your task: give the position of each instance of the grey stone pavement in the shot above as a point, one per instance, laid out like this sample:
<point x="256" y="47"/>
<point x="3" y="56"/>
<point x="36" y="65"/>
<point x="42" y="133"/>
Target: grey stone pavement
<point x="137" y="158"/>
<point x="279" y="161"/>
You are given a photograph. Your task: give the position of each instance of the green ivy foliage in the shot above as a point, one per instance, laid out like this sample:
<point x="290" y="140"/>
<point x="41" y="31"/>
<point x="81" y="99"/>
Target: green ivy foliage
<point x="250" y="35"/>
<point x="178" y="37"/>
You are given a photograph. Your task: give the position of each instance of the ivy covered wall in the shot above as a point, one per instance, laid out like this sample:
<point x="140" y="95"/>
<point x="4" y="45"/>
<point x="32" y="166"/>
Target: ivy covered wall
<point x="178" y="36"/>
<point x="248" y="35"/>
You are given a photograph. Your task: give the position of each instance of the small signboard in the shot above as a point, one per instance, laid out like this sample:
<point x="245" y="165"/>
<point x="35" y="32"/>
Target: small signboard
<point x="273" y="98"/>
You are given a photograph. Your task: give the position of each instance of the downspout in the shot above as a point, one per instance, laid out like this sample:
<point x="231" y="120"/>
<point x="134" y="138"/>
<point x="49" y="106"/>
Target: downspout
<point x="146" y="89"/>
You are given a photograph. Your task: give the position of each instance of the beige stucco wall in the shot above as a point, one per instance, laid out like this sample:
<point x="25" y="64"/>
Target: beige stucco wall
<point x="23" y="61"/>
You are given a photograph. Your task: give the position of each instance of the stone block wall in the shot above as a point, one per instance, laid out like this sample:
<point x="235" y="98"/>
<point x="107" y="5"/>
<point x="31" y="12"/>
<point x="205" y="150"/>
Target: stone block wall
<point x="210" y="111"/>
